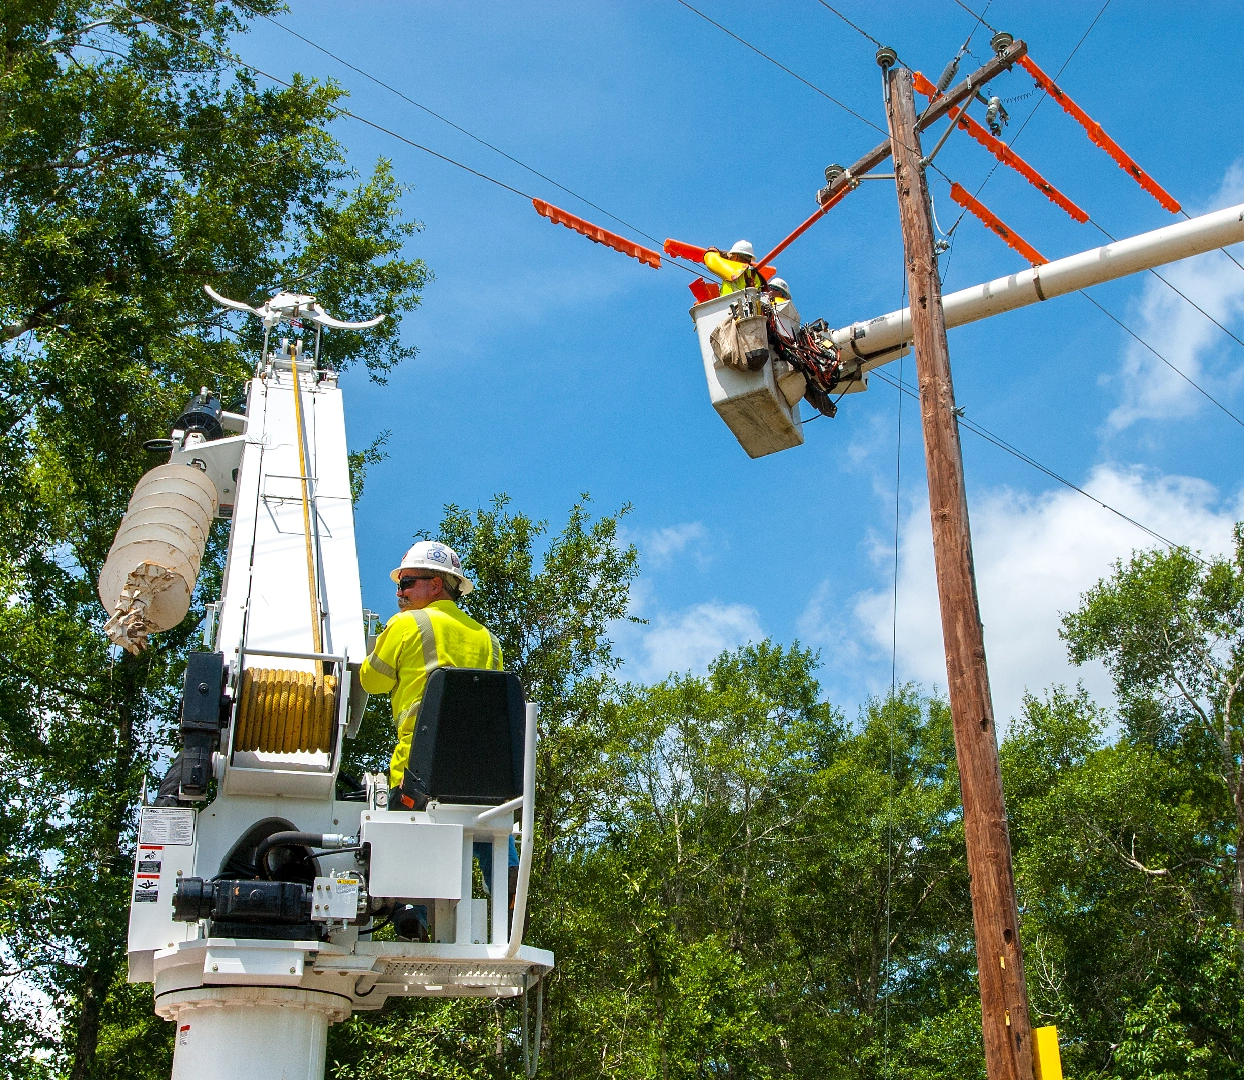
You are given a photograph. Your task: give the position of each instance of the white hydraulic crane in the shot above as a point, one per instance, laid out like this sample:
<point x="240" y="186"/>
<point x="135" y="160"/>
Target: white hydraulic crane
<point x="765" y="419"/>
<point x="253" y="913"/>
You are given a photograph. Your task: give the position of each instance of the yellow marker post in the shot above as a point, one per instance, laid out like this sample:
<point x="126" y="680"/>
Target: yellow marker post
<point x="1048" y="1064"/>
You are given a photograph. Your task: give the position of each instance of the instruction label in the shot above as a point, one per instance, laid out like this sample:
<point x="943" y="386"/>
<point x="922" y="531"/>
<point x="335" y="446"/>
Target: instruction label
<point x="171" y="825"/>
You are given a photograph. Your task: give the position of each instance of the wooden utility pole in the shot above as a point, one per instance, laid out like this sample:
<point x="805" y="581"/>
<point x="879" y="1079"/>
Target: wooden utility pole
<point x="1004" y="994"/>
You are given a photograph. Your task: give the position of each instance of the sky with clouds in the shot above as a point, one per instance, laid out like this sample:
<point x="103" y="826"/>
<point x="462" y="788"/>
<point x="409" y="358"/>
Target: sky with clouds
<point x="550" y="366"/>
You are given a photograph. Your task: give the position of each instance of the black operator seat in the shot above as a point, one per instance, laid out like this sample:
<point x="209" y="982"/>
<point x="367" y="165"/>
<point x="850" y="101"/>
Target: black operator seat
<point x="468" y="743"/>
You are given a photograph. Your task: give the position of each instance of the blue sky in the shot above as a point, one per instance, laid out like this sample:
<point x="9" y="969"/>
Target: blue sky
<point x="550" y="366"/>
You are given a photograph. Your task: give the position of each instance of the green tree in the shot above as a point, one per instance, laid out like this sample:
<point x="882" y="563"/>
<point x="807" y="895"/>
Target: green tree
<point x="136" y="163"/>
<point x="1170" y="629"/>
<point x="552" y="601"/>
<point x="1123" y="869"/>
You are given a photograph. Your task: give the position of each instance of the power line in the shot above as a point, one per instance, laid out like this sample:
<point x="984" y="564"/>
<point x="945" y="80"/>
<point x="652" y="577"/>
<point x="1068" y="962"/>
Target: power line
<point x="457" y="127"/>
<point x="338" y="109"/>
<point x="979" y="18"/>
<point x="776" y="63"/>
<point x="1171" y="285"/>
<point x="1118" y="322"/>
<point x="344" y="112"/>
<point x="1044" y="94"/>
<point x="852" y="25"/>
<point x="1002" y="444"/>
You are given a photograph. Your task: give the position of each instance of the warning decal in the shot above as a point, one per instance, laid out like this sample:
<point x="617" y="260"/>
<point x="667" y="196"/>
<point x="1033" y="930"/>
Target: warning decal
<point x="172" y="825"/>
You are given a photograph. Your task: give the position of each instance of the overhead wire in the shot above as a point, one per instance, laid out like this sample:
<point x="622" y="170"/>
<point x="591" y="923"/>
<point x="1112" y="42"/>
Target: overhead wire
<point x="853" y="26"/>
<point x="1175" y="289"/>
<point x="1196" y="386"/>
<point x="777" y="63"/>
<point x="457" y="127"/>
<point x="1033" y="111"/>
<point x="984" y="433"/>
<point x="341" y="111"/>
<point x="979" y="18"/>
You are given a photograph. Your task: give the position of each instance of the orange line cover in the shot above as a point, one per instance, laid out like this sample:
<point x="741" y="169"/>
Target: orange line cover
<point x="992" y="221"/>
<point x="1098" y="136"/>
<point x="1006" y="155"/>
<point x="596" y="234"/>
<point x="676" y="249"/>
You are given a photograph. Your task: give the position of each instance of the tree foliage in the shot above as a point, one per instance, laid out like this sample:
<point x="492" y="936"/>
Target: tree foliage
<point x="737" y="879"/>
<point x="137" y="162"/>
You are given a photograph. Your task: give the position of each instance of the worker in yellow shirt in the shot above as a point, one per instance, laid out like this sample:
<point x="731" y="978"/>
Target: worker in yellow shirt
<point x="428" y="632"/>
<point x="734" y="267"/>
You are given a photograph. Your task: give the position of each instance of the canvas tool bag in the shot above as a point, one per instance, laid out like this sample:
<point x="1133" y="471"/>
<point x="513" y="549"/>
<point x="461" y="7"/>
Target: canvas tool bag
<point x="742" y="344"/>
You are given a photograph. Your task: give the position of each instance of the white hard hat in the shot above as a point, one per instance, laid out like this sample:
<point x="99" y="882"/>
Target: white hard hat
<point x="742" y="247"/>
<point x="433" y="555"/>
<point x="779" y="283"/>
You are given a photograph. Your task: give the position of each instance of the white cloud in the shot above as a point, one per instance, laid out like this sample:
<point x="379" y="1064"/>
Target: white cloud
<point x="687" y="640"/>
<point x="1034" y="557"/>
<point x="660" y="546"/>
<point x="1148" y="388"/>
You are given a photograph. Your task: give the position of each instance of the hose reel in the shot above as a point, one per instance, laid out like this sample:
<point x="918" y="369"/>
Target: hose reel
<point x="285" y="712"/>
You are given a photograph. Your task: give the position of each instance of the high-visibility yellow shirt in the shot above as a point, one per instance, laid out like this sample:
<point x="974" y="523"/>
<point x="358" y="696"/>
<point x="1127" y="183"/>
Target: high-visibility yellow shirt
<point x="735" y="276"/>
<point x="412" y="645"/>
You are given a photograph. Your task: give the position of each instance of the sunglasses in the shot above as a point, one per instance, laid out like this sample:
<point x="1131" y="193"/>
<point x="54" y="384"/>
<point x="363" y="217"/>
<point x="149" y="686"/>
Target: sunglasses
<point x="409" y="582"/>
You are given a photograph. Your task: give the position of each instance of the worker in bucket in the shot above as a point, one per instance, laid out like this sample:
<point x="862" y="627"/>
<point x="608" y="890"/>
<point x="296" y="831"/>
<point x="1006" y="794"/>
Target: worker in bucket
<point x="429" y="631"/>
<point x="777" y="292"/>
<point x="734" y="267"/>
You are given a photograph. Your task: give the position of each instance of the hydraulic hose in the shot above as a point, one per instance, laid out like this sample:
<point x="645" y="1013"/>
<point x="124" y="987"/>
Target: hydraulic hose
<point x="330" y="841"/>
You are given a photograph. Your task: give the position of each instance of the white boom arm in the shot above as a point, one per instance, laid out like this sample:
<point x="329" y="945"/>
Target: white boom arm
<point x="878" y="339"/>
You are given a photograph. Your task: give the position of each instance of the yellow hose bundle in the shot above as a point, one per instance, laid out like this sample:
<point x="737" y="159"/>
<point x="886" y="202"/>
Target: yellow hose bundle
<point x="282" y="712"/>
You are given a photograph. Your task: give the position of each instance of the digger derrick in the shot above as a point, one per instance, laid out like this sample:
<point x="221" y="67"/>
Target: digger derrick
<point x="256" y="894"/>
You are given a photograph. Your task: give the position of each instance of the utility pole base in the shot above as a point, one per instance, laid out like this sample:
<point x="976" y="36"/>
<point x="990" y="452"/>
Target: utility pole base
<point x="260" y="1032"/>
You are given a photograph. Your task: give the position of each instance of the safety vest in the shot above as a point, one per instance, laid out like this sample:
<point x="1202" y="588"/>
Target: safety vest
<point x="412" y="646"/>
<point x="735" y="276"/>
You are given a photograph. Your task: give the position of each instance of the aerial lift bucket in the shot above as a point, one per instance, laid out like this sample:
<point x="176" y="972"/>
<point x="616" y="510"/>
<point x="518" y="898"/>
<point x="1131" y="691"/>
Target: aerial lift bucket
<point x="749" y="401"/>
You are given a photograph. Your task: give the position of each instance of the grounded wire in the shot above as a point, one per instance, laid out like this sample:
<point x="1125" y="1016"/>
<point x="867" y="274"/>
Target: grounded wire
<point x="1002" y="444"/>
<point x="1118" y="322"/>
<point x="777" y="63"/>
